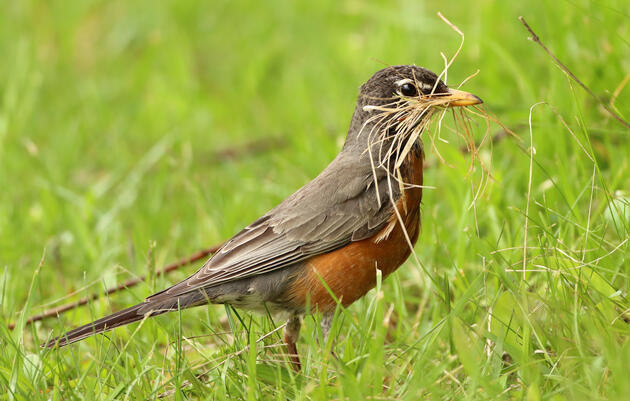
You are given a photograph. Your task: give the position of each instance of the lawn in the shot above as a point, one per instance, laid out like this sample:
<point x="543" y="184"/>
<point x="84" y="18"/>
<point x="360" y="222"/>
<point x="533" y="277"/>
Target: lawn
<point x="133" y="134"/>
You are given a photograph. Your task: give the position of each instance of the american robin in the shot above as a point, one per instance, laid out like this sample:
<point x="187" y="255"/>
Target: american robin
<point x="360" y="214"/>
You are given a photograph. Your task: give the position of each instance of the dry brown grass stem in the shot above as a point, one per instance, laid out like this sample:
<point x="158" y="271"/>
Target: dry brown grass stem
<point x="534" y="38"/>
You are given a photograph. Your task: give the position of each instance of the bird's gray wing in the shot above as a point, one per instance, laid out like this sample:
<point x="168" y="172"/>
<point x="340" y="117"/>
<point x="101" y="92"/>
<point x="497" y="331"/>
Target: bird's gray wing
<point x="339" y="206"/>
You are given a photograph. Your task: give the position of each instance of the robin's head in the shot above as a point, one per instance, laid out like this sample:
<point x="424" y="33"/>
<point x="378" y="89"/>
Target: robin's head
<point x="411" y="83"/>
<point x="395" y="105"/>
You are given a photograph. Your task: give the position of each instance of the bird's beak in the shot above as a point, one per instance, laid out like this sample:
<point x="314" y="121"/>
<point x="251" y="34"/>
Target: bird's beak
<point x="456" y="98"/>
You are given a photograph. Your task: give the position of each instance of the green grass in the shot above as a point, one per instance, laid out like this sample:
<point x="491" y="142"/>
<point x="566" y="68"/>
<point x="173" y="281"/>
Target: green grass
<point x="111" y="116"/>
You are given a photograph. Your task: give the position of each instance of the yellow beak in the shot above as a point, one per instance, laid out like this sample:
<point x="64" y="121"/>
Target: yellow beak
<point x="456" y="98"/>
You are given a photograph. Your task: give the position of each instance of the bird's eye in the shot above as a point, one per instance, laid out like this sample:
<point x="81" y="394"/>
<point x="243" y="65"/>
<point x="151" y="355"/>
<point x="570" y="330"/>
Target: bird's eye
<point x="408" y="89"/>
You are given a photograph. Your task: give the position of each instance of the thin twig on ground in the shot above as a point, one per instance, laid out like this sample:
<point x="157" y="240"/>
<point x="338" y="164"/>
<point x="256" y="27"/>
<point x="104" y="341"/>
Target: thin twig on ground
<point x="566" y="70"/>
<point x="253" y="147"/>
<point x="53" y="312"/>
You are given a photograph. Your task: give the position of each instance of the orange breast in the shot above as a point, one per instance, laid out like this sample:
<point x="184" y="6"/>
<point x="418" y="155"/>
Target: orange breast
<point x="350" y="272"/>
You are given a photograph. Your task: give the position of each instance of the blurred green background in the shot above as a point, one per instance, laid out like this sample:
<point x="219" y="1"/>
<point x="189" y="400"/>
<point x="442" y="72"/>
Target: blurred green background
<point x="115" y="121"/>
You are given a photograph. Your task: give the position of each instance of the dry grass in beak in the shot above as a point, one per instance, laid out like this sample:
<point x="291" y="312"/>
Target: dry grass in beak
<point x="399" y="124"/>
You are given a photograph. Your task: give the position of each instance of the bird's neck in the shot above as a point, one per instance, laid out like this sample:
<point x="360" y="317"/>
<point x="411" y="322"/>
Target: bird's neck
<point x="365" y="141"/>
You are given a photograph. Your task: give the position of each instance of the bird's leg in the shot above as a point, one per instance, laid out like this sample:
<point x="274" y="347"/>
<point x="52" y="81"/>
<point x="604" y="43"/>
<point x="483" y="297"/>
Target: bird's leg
<point x="291" y="335"/>
<point x="325" y="325"/>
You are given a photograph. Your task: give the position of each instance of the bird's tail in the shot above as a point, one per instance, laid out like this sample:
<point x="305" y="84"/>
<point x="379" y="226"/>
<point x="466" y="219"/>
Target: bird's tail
<point x="121" y="318"/>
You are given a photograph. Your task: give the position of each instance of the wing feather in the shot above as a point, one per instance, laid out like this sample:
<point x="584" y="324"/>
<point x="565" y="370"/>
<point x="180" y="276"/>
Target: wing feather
<point x="316" y="219"/>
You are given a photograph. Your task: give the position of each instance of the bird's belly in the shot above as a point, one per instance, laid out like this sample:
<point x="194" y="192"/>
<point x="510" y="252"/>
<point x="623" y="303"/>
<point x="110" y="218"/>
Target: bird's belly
<point x="350" y="272"/>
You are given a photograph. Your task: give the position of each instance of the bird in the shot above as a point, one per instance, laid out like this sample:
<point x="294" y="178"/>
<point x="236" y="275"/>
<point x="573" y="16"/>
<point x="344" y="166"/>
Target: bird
<point x="323" y="245"/>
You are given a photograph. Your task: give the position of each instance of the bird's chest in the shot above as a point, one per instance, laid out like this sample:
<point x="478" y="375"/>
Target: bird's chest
<point x="350" y="272"/>
<point x="393" y="244"/>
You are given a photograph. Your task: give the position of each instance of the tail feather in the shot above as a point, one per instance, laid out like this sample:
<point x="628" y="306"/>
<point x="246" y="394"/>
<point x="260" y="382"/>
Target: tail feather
<point x="121" y="318"/>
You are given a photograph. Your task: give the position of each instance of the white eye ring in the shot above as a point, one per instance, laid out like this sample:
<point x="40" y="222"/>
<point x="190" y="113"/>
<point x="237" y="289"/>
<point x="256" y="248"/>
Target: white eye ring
<point x="424" y="87"/>
<point x="403" y="81"/>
